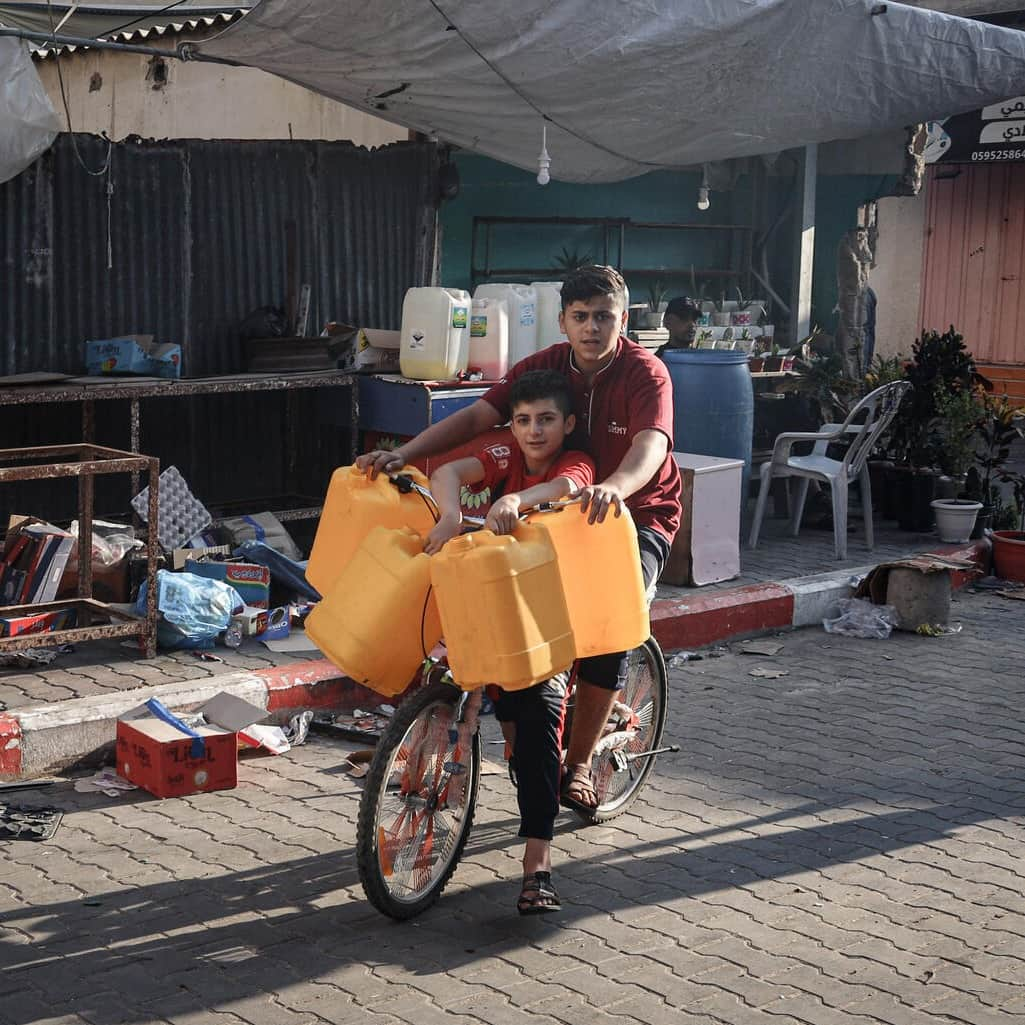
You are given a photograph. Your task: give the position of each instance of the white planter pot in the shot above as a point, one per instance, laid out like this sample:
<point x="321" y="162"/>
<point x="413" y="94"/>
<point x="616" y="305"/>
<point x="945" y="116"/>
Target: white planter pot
<point x="721" y="319"/>
<point x="955" y="518"/>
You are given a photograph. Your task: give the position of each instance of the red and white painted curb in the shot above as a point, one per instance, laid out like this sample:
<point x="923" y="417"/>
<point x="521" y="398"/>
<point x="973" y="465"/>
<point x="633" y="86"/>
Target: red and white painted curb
<point x="47" y="738"/>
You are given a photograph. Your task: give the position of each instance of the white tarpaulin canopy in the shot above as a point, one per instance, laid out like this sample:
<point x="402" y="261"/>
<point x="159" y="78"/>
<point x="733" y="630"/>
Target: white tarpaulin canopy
<point x="28" y="122"/>
<point x="628" y="86"/>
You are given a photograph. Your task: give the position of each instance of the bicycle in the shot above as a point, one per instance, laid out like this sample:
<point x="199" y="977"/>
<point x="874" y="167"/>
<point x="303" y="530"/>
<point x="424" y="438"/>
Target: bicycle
<point x="420" y="792"/>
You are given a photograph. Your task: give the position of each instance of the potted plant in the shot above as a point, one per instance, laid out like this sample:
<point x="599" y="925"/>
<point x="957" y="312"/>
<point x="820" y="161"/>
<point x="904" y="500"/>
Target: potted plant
<point x="722" y="315"/>
<point x="651" y="318"/>
<point x="570" y="260"/>
<point x="996" y="429"/>
<point x="940" y="366"/>
<point x="957" y="415"/>
<point x="747" y="311"/>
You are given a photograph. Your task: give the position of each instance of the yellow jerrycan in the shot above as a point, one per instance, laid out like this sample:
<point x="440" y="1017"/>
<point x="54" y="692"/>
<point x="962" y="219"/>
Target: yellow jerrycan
<point x="354" y="505"/>
<point x="502" y="612"/>
<point x="369" y="623"/>
<point x="600" y="570"/>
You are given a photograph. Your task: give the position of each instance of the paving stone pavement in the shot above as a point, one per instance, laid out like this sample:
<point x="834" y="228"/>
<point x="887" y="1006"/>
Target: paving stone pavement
<point x="839" y="846"/>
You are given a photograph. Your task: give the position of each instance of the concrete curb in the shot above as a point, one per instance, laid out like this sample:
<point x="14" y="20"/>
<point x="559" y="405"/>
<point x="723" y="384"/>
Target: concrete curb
<point x="47" y="738"/>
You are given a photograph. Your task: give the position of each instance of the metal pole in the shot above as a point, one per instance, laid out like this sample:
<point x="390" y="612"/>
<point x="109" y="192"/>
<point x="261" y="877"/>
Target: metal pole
<point x="804" y="243"/>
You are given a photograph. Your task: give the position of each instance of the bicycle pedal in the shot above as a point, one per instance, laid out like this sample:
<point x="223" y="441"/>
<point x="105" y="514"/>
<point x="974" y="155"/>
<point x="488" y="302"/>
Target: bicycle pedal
<point x="618" y="761"/>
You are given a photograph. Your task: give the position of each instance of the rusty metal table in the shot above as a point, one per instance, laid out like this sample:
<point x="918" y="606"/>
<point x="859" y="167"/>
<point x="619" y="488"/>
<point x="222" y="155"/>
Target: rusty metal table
<point x="85" y="462"/>
<point x="89" y="391"/>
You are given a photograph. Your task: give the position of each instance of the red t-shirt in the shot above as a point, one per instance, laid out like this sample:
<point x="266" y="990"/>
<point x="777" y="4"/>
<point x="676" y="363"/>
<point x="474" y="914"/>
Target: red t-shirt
<point x="505" y="471"/>
<point x="632" y="394"/>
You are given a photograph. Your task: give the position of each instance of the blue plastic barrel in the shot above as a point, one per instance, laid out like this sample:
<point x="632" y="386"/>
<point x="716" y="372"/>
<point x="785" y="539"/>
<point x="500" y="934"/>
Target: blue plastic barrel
<point x="713" y="403"/>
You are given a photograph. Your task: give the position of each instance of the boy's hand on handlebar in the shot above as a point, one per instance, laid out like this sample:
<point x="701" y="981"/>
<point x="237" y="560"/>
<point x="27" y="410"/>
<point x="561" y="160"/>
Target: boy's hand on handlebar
<point x="504" y="515"/>
<point x="444" y="530"/>
<point x="381" y="461"/>
<point x="598" y="499"/>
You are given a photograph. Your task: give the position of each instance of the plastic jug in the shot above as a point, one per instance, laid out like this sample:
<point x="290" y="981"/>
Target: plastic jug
<point x="489" y="337"/>
<point x="434" y="339"/>
<point x="502" y="612"/>
<point x="521" y="302"/>
<point x="354" y="505"/>
<point x="549" y="306"/>
<point x="600" y="571"/>
<point x="379" y="618"/>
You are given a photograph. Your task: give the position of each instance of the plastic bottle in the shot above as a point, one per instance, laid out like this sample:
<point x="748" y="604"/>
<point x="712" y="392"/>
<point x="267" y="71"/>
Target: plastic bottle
<point x="434" y="339"/>
<point x="600" y="575"/>
<point x="549" y="306"/>
<point x="502" y="609"/>
<point x="353" y="506"/>
<point x="521" y="303"/>
<point x="489" y="337"/>
<point x="380" y="616"/>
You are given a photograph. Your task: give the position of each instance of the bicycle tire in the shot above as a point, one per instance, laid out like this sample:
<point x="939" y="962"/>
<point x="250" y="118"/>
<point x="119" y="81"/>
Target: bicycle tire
<point x="406" y="891"/>
<point x="646" y="676"/>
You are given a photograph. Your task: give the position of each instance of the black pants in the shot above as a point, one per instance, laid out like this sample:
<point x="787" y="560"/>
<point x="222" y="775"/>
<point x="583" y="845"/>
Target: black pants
<point x="538" y="713"/>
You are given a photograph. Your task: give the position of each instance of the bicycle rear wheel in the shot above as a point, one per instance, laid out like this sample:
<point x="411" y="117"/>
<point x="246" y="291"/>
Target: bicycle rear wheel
<point x="418" y="804"/>
<point x="621" y="764"/>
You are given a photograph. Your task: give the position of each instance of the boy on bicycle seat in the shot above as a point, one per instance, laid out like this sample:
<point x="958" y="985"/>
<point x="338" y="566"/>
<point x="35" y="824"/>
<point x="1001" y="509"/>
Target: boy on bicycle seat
<point x="536" y="470"/>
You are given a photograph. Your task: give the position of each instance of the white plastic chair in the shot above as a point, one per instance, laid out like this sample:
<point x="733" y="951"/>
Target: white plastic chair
<point x="863" y="428"/>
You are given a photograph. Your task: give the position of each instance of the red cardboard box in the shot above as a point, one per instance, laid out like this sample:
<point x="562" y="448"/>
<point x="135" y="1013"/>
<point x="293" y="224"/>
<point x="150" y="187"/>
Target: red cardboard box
<point x="159" y="758"/>
<point x="36" y="623"/>
<point x="250" y="580"/>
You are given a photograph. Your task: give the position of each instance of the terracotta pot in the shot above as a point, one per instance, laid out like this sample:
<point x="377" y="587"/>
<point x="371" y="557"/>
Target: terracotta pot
<point x="1009" y="554"/>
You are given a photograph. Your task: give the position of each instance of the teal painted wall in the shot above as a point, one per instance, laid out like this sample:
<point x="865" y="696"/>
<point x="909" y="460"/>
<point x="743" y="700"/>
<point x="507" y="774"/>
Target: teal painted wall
<point x="489" y="188"/>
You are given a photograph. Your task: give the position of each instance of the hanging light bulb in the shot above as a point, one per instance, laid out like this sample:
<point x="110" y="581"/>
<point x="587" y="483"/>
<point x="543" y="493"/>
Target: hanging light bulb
<point x="544" y="161"/>
<point x="703" y="201"/>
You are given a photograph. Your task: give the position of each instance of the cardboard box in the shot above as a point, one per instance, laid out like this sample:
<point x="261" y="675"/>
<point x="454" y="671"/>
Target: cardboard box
<point x="250" y="580"/>
<point x="37" y="623"/>
<point x="251" y="621"/>
<point x="180" y="556"/>
<point x="133" y="354"/>
<point x="163" y="759"/>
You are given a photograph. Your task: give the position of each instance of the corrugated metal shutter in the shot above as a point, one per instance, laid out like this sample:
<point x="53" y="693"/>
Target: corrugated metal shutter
<point x="198" y="240"/>
<point x="974" y="265"/>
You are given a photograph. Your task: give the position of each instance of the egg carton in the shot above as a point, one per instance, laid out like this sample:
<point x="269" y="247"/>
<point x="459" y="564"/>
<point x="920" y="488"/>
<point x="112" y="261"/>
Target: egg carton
<point x="180" y="514"/>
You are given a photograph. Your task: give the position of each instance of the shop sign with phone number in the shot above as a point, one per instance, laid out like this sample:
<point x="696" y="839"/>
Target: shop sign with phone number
<point x="993" y="134"/>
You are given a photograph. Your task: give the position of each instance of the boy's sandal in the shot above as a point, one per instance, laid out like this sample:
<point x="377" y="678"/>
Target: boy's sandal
<point x="578" y="791"/>
<point x="538" y="896"/>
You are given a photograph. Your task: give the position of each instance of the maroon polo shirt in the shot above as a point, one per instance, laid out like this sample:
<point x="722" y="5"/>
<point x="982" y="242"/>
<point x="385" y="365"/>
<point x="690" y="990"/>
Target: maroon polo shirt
<point x="632" y="394"/>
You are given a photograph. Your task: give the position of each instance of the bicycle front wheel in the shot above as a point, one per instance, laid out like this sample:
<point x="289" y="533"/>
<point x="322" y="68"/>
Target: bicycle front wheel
<point x="621" y="762"/>
<point x="418" y="804"/>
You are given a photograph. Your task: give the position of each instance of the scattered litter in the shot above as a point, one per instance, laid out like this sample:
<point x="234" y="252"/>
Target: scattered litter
<point x="992" y="583"/>
<point x="767" y="648"/>
<point x="768" y="674"/>
<point x="889" y="658"/>
<point x="936" y="630"/>
<point x="683" y="656"/>
<point x="106" y="781"/>
<point x="1016" y="595"/>
<point x="298" y="728"/>
<point x="261" y="735"/>
<point x="32" y="657"/>
<point x="358" y="763"/>
<point x="859" y="617"/>
<point x="385" y="709"/>
<point x="297" y="640"/>
<point x="20" y="822"/>
<point x="180" y="514"/>
<point x="207" y="656"/>
<point x="718" y="652"/>
<point x="357" y="725"/>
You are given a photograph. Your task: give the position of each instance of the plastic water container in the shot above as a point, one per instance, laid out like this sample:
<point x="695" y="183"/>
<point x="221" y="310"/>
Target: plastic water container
<point x="502" y="611"/>
<point x="521" y="303"/>
<point x="369" y="623"/>
<point x="435" y="335"/>
<point x="353" y="506"/>
<point x="713" y="404"/>
<point x="600" y="571"/>
<point x="549" y="306"/>
<point x="489" y="337"/>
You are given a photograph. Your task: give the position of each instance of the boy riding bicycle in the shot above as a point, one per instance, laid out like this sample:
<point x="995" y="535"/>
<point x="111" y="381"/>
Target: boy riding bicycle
<point x="534" y="470"/>
<point x="623" y="401"/>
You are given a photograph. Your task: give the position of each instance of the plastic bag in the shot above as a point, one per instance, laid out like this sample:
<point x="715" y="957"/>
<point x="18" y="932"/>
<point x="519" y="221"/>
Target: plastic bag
<point x="194" y="609"/>
<point x="28" y="122"/>
<point x="860" y="618"/>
